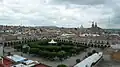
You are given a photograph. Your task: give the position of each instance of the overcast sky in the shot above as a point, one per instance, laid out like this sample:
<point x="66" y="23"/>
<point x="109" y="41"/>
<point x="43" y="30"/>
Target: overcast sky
<point x="63" y="13"/>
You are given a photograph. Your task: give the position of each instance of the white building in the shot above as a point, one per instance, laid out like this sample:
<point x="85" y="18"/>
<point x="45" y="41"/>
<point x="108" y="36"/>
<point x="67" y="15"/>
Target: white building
<point x="52" y="42"/>
<point x="117" y="46"/>
<point x="89" y="35"/>
<point x="90" y="60"/>
<point x="67" y="35"/>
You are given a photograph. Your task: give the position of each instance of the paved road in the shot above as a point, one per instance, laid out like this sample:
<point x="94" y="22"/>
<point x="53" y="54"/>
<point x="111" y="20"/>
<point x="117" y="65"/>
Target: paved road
<point x="107" y="62"/>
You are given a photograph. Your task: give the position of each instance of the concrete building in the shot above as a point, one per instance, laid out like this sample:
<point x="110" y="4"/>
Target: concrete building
<point x="90" y="61"/>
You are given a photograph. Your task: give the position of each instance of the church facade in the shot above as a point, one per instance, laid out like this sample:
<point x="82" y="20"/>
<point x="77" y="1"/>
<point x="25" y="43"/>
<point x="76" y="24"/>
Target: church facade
<point x="94" y="29"/>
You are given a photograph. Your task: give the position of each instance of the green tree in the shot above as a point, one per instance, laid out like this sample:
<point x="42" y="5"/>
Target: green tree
<point x="25" y="50"/>
<point x="33" y="45"/>
<point x="77" y="61"/>
<point x="34" y="50"/>
<point x="93" y="51"/>
<point x="89" y="54"/>
<point x="107" y="43"/>
<point x="62" y="65"/>
<point x="18" y="47"/>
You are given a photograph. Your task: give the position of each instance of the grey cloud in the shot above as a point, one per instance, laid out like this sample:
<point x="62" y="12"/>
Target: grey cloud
<point x="114" y="19"/>
<point x="80" y="2"/>
<point x="1" y="0"/>
<point x="81" y="12"/>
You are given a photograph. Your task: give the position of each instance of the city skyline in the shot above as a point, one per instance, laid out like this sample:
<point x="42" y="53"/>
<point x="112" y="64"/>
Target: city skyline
<point x="60" y="13"/>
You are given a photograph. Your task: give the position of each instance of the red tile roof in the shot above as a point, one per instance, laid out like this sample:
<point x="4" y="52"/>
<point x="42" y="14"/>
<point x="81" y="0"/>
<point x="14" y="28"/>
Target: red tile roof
<point x="6" y="63"/>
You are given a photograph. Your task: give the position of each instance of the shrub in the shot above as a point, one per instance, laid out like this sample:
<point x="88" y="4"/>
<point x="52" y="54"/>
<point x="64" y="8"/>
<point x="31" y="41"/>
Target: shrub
<point x="62" y="65"/>
<point x="34" y="50"/>
<point x="77" y="61"/>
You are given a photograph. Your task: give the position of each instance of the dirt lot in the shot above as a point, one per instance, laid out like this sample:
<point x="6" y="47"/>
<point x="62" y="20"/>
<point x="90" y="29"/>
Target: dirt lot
<point x="115" y="56"/>
<point x="110" y="59"/>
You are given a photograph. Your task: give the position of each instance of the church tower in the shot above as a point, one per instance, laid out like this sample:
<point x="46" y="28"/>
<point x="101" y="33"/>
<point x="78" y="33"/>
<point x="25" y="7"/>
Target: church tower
<point x="81" y="27"/>
<point x="93" y="24"/>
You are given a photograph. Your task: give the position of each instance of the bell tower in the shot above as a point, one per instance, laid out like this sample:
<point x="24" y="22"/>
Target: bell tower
<point x="93" y="24"/>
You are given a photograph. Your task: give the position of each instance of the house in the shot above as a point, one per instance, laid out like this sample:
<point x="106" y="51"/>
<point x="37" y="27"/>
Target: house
<point x="5" y="62"/>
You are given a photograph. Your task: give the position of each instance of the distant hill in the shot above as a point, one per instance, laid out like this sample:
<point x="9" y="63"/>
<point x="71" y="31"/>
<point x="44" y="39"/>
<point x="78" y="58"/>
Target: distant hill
<point x="112" y="30"/>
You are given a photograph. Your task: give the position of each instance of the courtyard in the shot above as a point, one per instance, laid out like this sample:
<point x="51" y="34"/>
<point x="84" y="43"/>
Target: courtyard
<point x="46" y="53"/>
